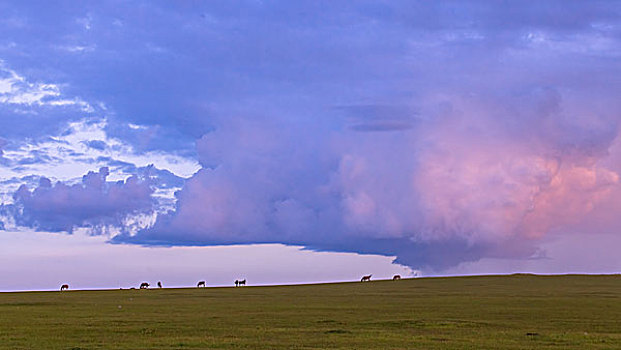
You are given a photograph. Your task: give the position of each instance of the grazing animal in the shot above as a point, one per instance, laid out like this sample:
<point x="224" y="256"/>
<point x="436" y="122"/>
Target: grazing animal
<point x="201" y="284"/>
<point x="64" y="287"/>
<point x="144" y="285"/>
<point x="396" y="277"/>
<point x="241" y="282"/>
<point x="159" y="284"/>
<point x="366" y="278"/>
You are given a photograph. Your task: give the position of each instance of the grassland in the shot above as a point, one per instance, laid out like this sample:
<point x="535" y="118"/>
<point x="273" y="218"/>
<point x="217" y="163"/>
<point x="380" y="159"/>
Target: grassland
<point x="494" y="312"/>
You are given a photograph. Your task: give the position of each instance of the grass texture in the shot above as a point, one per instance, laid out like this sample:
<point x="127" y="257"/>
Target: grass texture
<point x="483" y="312"/>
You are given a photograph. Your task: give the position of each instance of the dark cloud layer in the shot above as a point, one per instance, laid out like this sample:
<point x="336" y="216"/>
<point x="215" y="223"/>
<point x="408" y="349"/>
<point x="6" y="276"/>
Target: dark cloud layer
<point x="177" y="67"/>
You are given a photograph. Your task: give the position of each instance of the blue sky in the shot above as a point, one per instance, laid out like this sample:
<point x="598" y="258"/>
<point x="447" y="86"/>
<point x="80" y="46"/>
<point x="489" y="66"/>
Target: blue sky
<point x="452" y="137"/>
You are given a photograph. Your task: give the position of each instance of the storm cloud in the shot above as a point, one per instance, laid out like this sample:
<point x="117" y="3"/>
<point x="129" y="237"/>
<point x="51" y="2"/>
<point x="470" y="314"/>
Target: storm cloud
<point x="469" y="181"/>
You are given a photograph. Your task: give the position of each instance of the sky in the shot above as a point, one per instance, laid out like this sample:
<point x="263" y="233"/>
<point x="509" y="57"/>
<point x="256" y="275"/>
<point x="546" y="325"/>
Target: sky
<point x="320" y="140"/>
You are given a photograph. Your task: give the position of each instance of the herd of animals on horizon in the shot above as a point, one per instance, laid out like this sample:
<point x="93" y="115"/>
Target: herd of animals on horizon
<point x="238" y="283"/>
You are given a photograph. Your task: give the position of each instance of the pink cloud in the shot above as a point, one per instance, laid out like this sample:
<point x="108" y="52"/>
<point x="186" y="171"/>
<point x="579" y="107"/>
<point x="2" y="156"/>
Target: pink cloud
<point x="467" y="182"/>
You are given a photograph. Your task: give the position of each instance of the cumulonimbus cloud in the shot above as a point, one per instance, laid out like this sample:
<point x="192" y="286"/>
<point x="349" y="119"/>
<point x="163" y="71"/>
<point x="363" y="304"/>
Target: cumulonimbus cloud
<point x="465" y="183"/>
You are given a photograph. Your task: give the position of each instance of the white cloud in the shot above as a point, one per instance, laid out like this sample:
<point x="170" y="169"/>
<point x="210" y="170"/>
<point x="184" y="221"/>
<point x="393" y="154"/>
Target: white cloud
<point x="68" y="156"/>
<point x="16" y="90"/>
<point x="82" y="146"/>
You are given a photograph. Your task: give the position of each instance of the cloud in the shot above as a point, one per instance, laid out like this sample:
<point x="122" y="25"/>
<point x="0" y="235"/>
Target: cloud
<point x="95" y="203"/>
<point x="464" y="130"/>
<point x="16" y="91"/>
<point x="40" y="107"/>
<point x="370" y="118"/>
<point x="463" y="184"/>
<point x="3" y="143"/>
<point x="265" y="58"/>
<point x="81" y="146"/>
<point x="96" y="144"/>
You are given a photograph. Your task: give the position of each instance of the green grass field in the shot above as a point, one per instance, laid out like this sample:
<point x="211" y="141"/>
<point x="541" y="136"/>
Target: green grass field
<point x="495" y="312"/>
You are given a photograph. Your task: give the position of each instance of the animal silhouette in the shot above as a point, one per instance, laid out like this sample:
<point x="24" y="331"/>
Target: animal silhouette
<point x="240" y="282"/>
<point x="144" y="285"/>
<point x="366" y="278"/>
<point x="64" y="287"/>
<point x="159" y="284"/>
<point x="201" y="284"/>
<point x="396" y="277"/>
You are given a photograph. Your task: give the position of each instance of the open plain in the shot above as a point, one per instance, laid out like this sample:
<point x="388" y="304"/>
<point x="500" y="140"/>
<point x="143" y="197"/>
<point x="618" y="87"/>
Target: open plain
<point x="483" y="312"/>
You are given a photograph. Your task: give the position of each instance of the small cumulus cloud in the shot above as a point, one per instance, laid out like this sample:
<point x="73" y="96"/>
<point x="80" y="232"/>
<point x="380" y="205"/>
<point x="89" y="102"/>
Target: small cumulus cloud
<point x="94" y="203"/>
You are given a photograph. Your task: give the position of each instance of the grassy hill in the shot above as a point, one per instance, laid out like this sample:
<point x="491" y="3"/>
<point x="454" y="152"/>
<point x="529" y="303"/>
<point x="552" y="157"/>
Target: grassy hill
<point x="488" y="312"/>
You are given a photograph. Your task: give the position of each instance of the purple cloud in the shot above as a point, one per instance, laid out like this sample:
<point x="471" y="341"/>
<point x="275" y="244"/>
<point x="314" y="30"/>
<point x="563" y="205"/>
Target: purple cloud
<point x="94" y="203"/>
<point x="467" y="182"/>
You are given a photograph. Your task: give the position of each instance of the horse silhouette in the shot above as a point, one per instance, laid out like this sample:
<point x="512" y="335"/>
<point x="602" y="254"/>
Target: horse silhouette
<point x="144" y="285"/>
<point x="396" y="277"/>
<point x="159" y="284"/>
<point x="64" y="287"/>
<point x="366" y="278"/>
<point x="201" y="284"/>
